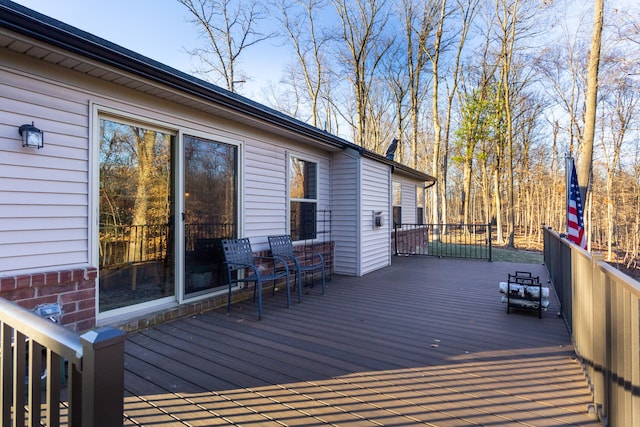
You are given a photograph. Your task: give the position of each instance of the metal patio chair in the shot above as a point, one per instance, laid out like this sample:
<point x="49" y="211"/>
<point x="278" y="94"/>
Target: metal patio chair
<point x="282" y="246"/>
<point x="246" y="267"/>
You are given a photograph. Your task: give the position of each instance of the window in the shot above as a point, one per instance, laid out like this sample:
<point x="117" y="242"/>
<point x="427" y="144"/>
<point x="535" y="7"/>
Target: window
<point x="419" y="205"/>
<point x="303" y="198"/>
<point x="397" y="203"/>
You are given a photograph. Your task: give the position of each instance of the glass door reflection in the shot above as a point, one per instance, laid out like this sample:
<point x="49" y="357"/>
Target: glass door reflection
<point x="210" y="213"/>
<point x="136" y="234"/>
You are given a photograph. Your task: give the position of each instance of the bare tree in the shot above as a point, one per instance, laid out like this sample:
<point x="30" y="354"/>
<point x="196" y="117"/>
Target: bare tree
<point x="618" y="102"/>
<point x="362" y="29"/>
<point x="617" y="116"/>
<point x="586" y="151"/>
<point x="562" y="68"/>
<point x="397" y="80"/>
<point x="380" y="116"/>
<point x="284" y="96"/>
<point x="507" y="17"/>
<point x="418" y="25"/>
<point x="467" y="10"/>
<point x="434" y="56"/>
<point x="477" y="126"/>
<point x="298" y="19"/>
<point x="512" y="24"/>
<point x="229" y="28"/>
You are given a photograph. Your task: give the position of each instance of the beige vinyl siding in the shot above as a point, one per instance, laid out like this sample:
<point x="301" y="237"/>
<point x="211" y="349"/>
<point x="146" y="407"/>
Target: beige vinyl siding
<point x="265" y="190"/>
<point x="46" y="222"/>
<point x="376" y="185"/>
<point x="344" y="204"/>
<point x="43" y="193"/>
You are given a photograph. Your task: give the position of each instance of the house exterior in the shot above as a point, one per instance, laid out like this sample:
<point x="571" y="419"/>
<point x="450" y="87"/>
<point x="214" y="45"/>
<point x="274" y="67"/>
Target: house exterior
<point x="144" y="168"/>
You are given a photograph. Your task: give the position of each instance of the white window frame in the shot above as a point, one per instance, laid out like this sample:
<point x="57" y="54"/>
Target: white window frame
<point x="420" y="190"/>
<point x="394" y="185"/>
<point x="290" y="199"/>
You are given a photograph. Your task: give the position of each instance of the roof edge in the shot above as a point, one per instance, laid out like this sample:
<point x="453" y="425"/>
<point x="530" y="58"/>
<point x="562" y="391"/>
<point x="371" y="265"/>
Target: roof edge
<point x="404" y="169"/>
<point x="43" y="28"/>
<point x="28" y="22"/>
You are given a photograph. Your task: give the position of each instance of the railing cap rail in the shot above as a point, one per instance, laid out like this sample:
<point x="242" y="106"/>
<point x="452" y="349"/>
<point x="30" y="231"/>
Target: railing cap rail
<point x="60" y="340"/>
<point x="623" y="279"/>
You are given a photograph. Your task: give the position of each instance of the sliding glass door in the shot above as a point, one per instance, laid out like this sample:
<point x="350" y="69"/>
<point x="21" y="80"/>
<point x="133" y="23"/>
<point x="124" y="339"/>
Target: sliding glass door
<point x="138" y="224"/>
<point x="210" y="211"/>
<point x="136" y="230"/>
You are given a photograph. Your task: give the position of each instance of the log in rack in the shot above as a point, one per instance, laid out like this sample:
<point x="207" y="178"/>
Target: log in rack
<point x="524" y="292"/>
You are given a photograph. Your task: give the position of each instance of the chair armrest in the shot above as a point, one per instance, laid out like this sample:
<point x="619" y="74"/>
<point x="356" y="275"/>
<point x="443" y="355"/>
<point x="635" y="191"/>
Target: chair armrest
<point x="274" y="259"/>
<point x="239" y="265"/>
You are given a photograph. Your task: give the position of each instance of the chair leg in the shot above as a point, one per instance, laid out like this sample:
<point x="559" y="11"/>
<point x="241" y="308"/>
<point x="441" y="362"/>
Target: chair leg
<point x="288" y="291"/>
<point x="299" y="280"/>
<point x="323" y="285"/>
<point x="229" y="299"/>
<point x="259" y="290"/>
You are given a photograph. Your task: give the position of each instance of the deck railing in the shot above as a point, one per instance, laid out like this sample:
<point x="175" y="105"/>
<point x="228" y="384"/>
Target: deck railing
<point x="443" y="240"/>
<point x="45" y="367"/>
<point x="602" y="308"/>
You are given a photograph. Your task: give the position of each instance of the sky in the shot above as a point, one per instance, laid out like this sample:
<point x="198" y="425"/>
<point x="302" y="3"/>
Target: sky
<point x="157" y="29"/>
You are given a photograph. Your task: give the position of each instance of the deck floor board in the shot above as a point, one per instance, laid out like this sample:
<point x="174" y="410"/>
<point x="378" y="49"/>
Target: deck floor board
<point x="425" y="341"/>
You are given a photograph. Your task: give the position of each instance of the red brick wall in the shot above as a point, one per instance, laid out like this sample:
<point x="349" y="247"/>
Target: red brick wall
<point x="410" y="241"/>
<point x="74" y="290"/>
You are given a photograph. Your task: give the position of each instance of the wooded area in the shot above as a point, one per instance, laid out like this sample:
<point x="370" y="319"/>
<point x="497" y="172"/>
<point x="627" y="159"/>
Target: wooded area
<point x="489" y="96"/>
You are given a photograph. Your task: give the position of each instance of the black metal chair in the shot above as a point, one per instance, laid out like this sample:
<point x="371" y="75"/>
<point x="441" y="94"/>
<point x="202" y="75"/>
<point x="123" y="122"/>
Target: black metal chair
<point x="246" y="267"/>
<point x="282" y="246"/>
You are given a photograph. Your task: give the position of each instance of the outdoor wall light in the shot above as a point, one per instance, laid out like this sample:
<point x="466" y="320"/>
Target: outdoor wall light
<point x="31" y="136"/>
<point x="378" y="220"/>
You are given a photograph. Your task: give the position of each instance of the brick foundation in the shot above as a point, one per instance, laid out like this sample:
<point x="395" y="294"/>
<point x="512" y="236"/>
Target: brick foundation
<point x="410" y="241"/>
<point x="74" y="290"/>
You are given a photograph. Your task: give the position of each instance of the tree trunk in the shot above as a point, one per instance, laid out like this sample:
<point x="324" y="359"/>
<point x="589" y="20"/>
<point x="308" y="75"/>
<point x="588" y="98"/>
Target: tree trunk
<point x="586" y="152"/>
<point x="437" y="129"/>
<point x="466" y="192"/>
<point x="498" y="204"/>
<point x="145" y="144"/>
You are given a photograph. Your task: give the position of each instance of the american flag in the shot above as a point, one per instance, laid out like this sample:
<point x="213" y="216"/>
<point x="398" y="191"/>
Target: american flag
<point x="575" y="222"/>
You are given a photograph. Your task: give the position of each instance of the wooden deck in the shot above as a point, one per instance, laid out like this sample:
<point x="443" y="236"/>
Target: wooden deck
<point x="425" y="341"/>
